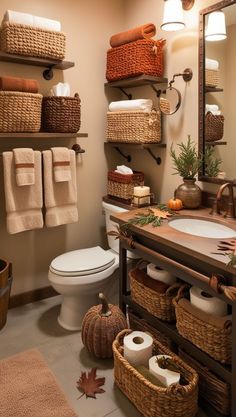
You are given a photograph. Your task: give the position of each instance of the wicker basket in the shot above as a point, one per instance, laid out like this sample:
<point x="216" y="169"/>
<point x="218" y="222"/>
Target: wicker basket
<point x="151" y="400"/>
<point x="20" y="112"/>
<point x="212" y="340"/>
<point x="122" y="186"/>
<point x="61" y="114"/>
<point x="5" y="289"/>
<point x="29" y="41"/>
<point x="212" y="78"/>
<point x="213" y="390"/>
<point x="158" y="304"/>
<point x="135" y="58"/>
<point x="134" y="126"/>
<point x="214" y="127"/>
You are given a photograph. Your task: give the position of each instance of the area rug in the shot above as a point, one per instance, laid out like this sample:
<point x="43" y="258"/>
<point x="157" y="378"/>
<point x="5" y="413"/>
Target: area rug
<point x="29" y="389"/>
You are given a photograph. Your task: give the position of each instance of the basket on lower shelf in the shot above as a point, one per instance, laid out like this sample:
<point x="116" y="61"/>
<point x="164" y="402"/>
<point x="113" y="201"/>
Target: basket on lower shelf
<point x="30" y="41"/>
<point x="151" y="400"/>
<point x="159" y="304"/>
<point x="134" y="126"/>
<point x="214" y="340"/>
<point x="214" y="127"/>
<point x="212" y="78"/>
<point x="212" y="389"/>
<point x="20" y="112"/>
<point x="61" y="114"/>
<point x="122" y="185"/>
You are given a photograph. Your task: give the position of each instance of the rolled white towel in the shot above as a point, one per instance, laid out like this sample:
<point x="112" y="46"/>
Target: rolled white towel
<point x="212" y="64"/>
<point x="12" y="16"/>
<point x="212" y="107"/>
<point x="130" y="105"/>
<point x="122" y="169"/>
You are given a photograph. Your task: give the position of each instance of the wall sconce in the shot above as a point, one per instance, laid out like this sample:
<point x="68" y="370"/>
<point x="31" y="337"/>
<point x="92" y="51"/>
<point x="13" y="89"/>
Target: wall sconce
<point x="173" y="18"/>
<point x="216" y="29"/>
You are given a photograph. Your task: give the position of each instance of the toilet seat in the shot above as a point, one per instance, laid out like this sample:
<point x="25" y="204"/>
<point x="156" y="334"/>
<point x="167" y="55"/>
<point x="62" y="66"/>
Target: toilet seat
<point x="82" y="262"/>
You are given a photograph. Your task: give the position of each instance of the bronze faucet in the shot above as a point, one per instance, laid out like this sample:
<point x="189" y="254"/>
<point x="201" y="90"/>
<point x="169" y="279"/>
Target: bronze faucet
<point x="230" y="212"/>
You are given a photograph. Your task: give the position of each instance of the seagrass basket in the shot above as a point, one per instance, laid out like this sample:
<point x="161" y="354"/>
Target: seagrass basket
<point x="151" y="400"/>
<point x="212" y="389"/>
<point x="158" y="304"/>
<point x="61" y="114"/>
<point x="134" y="126"/>
<point x="30" y="41"/>
<point x="213" y="340"/>
<point x="122" y="186"/>
<point x="214" y="127"/>
<point x="20" y="112"/>
<point x="212" y="78"/>
<point x="135" y="58"/>
<point x="5" y="289"/>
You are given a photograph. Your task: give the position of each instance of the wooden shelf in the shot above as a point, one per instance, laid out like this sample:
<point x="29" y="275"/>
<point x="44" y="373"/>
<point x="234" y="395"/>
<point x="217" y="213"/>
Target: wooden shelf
<point x="216" y="143"/>
<point x="213" y="90"/>
<point x="39" y="62"/>
<point x="140" y="146"/>
<point x="43" y="135"/>
<point x="116" y="202"/>
<point x="137" y="81"/>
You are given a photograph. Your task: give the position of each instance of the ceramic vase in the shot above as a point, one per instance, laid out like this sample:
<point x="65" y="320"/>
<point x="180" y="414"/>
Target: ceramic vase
<point x="189" y="193"/>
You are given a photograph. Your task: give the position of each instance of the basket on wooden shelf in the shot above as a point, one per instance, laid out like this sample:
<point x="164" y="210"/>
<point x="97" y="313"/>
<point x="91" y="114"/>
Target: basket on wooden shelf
<point x="215" y="341"/>
<point x="134" y="126"/>
<point x="122" y="185"/>
<point x="212" y="78"/>
<point x="214" y="127"/>
<point x="5" y="289"/>
<point x="20" y="112"/>
<point x="135" y="58"/>
<point x="151" y="400"/>
<point x="61" y="114"/>
<point x="212" y="389"/>
<point x="159" y="304"/>
<point x="30" y="41"/>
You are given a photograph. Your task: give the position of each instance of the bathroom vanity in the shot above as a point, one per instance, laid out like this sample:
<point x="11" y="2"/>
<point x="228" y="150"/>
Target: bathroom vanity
<point x="193" y="259"/>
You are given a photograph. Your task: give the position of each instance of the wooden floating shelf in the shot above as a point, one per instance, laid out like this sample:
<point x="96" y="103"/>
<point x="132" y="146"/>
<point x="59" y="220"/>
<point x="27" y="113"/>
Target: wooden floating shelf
<point x="213" y="90"/>
<point x="137" y="81"/>
<point x="39" y="62"/>
<point x="129" y="145"/>
<point x="43" y="135"/>
<point x="216" y="143"/>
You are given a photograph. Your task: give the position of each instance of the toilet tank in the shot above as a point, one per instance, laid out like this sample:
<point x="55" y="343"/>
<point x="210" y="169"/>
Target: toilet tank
<point x="111" y="225"/>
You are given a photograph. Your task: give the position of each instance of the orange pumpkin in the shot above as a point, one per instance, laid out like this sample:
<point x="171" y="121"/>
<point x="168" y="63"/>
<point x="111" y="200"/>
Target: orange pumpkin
<point x="175" y="204"/>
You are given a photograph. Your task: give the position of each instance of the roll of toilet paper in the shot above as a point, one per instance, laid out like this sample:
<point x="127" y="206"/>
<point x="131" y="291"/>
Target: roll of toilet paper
<point x="160" y="274"/>
<point x="207" y="303"/>
<point x="164" y="375"/>
<point x="138" y="348"/>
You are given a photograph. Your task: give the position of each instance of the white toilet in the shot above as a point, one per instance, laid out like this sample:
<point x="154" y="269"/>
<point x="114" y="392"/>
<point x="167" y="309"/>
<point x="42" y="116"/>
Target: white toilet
<point x="81" y="274"/>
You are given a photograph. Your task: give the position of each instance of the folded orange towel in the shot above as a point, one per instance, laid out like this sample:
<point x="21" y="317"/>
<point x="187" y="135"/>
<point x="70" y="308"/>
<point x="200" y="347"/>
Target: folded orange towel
<point x="141" y="32"/>
<point x="149" y="282"/>
<point x="24" y="166"/>
<point x="19" y="84"/>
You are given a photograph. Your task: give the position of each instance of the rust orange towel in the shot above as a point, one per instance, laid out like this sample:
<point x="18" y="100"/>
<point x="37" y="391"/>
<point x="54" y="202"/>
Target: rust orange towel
<point x="149" y="282"/>
<point x="19" y="84"/>
<point x="141" y="32"/>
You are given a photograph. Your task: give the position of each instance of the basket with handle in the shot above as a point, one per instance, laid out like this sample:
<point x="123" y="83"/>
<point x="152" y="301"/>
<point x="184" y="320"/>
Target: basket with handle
<point x="61" y="114"/>
<point x="214" y="127"/>
<point x="122" y="185"/>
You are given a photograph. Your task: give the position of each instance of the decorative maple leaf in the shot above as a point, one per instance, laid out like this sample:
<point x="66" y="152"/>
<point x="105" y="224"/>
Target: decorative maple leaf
<point x="229" y="249"/>
<point x="163" y="214"/>
<point x="90" y="385"/>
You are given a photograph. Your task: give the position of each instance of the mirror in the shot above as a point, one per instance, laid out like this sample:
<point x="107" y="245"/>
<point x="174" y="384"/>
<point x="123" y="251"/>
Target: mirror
<point x="170" y="101"/>
<point x="217" y="92"/>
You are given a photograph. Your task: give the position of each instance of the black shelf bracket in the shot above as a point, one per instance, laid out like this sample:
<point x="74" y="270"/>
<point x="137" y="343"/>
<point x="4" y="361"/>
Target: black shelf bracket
<point x="127" y="157"/>
<point x="157" y="158"/>
<point x="126" y="94"/>
<point x="48" y="74"/>
<point x="157" y="90"/>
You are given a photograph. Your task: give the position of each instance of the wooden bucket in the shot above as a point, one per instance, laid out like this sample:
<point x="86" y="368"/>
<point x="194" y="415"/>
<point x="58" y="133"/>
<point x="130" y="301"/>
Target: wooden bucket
<point x="5" y="289"/>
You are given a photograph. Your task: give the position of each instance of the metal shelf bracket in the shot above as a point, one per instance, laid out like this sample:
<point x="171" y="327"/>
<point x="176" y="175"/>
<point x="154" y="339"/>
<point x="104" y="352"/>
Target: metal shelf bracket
<point x="48" y="74"/>
<point x="129" y="96"/>
<point x="127" y="157"/>
<point x="157" y="158"/>
<point x="157" y="90"/>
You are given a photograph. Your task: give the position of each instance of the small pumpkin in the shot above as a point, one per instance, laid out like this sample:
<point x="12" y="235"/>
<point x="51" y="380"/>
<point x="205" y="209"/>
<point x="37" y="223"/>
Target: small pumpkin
<point x="175" y="204"/>
<point x="100" y="326"/>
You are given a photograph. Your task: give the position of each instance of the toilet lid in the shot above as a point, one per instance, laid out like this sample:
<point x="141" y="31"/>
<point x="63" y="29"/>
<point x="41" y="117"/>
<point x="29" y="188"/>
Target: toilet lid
<point x="82" y="262"/>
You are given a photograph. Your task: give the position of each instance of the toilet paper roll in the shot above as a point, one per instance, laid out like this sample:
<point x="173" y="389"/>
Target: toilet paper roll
<point x="138" y="348"/>
<point x="207" y="303"/>
<point x="160" y="274"/>
<point x="164" y="375"/>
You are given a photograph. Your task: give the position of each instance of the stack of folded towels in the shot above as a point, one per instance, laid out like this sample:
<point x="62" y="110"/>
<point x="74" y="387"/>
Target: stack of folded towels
<point x="144" y="105"/>
<point x="146" y="31"/>
<point x="213" y="108"/>
<point x="27" y="19"/>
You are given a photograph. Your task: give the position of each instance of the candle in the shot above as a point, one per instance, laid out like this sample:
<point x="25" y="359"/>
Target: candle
<point x="141" y="195"/>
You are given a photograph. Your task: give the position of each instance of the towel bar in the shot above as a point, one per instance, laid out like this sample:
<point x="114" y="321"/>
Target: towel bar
<point x="76" y="147"/>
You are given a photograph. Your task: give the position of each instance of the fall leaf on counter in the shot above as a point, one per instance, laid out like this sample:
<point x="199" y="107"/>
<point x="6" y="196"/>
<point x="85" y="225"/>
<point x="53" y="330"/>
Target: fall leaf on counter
<point x="90" y="385"/>
<point x="163" y="214"/>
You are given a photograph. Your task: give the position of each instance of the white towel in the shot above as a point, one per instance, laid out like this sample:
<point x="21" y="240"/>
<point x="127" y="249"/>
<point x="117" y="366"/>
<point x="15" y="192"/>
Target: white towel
<point x="23" y="204"/>
<point x="61" y="164"/>
<point x="24" y="166"/>
<point x="61" y="90"/>
<point x="12" y="16"/>
<point x="212" y="64"/>
<point x="131" y="105"/>
<point x="60" y="197"/>
<point x="213" y="108"/>
<point x="122" y="169"/>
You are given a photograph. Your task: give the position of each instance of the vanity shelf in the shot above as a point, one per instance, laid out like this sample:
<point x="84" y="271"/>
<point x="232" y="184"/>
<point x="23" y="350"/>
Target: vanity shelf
<point x="149" y="147"/>
<point x="213" y="90"/>
<point x="43" y="135"/>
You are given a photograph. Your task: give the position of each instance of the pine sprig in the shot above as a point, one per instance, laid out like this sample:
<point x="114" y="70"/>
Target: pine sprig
<point x="212" y="163"/>
<point x="187" y="162"/>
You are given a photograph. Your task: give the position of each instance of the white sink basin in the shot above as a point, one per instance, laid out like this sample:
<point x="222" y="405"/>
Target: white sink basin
<point x="203" y="228"/>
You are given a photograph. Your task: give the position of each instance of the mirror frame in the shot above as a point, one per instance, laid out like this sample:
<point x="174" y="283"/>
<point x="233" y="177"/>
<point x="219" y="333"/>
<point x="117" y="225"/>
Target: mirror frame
<point x="201" y="113"/>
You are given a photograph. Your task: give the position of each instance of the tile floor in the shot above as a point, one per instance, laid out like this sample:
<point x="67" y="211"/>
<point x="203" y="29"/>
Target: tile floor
<point x="35" y="325"/>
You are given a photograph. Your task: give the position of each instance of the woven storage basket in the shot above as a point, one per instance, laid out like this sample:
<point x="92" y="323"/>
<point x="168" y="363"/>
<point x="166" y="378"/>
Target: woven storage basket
<point x="29" y="41"/>
<point x="212" y="340"/>
<point x="151" y="400"/>
<point x="132" y="59"/>
<point x="61" y="114"/>
<point x="5" y="289"/>
<point x="20" y="112"/>
<point x="212" y="78"/>
<point x="122" y="186"/>
<point x="134" y="126"/>
<point x="214" y="127"/>
<point x="215" y="391"/>
<point x="158" y="304"/>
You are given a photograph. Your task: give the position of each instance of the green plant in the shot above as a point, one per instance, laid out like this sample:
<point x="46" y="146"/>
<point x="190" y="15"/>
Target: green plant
<point x="187" y="163"/>
<point x="211" y="162"/>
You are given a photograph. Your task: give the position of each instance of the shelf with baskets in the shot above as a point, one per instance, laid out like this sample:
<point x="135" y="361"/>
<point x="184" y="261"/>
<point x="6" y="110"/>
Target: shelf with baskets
<point x="138" y="81"/>
<point x="43" y="135"/>
<point x="213" y="90"/>
<point x="134" y="146"/>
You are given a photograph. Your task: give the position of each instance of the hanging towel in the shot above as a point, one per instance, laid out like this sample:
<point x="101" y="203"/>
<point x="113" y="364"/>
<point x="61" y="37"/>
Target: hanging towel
<point x="23" y="204"/>
<point x="31" y="20"/>
<point x="141" y="32"/>
<point x="60" y="197"/>
<point x="19" y="84"/>
<point x="61" y="164"/>
<point x="130" y="105"/>
<point x="24" y="166"/>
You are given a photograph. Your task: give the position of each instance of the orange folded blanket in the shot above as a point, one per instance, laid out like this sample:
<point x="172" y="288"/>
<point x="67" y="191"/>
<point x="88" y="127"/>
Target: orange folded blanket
<point x="149" y="282"/>
<point x="141" y="32"/>
<point x="19" y="84"/>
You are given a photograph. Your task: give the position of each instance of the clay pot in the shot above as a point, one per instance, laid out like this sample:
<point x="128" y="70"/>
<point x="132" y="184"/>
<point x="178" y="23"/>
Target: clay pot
<point x="189" y="193"/>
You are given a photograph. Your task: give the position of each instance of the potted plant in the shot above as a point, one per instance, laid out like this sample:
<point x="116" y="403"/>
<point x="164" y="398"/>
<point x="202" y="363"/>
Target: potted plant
<point x="211" y="162"/>
<point x="187" y="164"/>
